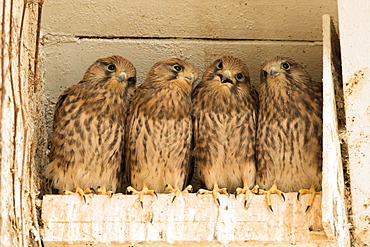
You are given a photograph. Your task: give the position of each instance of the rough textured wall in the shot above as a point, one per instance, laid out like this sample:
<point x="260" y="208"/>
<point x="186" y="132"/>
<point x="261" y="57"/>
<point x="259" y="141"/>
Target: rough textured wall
<point x="355" y="47"/>
<point x="21" y="128"/>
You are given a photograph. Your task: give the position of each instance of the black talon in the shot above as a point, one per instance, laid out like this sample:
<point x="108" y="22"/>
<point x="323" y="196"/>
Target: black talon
<point x="271" y="208"/>
<point x="142" y="204"/>
<point x="155" y="193"/>
<point x="235" y="194"/>
<point x="166" y="186"/>
<point x="298" y="195"/>
<point x="282" y="195"/>
<point x="84" y="196"/>
<point x="308" y="207"/>
<point x="218" y="201"/>
<point x="245" y="203"/>
<point x="93" y="190"/>
<point x="174" y="197"/>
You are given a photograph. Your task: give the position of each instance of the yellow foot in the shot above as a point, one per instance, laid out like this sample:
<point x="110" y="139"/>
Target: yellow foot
<point x="311" y="191"/>
<point x="144" y="191"/>
<point x="214" y="192"/>
<point x="272" y="190"/>
<point x="177" y="191"/>
<point x="101" y="190"/>
<point x="245" y="190"/>
<point x="81" y="192"/>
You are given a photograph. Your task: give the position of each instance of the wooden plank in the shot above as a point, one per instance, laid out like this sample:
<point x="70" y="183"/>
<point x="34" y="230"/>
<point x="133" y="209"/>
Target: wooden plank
<point x="20" y="125"/>
<point x="257" y="19"/>
<point x="191" y="219"/>
<point x="334" y="211"/>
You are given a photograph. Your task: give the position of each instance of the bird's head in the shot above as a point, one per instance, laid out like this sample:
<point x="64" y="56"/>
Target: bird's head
<point x="282" y="71"/>
<point x="115" y="70"/>
<point x="227" y="71"/>
<point x="173" y="70"/>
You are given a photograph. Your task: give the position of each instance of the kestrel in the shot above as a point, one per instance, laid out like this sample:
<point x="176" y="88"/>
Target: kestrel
<point x="225" y="121"/>
<point x="89" y="123"/>
<point x="159" y="130"/>
<point x="289" y="136"/>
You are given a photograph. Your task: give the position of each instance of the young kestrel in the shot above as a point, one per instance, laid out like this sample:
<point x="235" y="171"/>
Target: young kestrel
<point x="159" y="130"/>
<point x="289" y="136"/>
<point x="87" y="142"/>
<point x="225" y="111"/>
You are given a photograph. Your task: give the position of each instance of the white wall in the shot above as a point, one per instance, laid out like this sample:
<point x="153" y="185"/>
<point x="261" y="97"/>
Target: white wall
<point x="355" y="47"/>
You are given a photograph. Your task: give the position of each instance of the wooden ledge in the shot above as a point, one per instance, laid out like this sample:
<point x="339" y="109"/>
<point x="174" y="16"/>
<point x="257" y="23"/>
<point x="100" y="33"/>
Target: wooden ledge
<point x="190" y="220"/>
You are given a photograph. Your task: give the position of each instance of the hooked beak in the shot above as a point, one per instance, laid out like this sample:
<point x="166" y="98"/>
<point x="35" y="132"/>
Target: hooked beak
<point x="274" y="72"/>
<point x="189" y="78"/>
<point x="226" y="77"/>
<point x="121" y="77"/>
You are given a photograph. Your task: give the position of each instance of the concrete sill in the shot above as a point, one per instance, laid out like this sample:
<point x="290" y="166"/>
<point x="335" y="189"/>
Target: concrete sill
<point x="189" y="221"/>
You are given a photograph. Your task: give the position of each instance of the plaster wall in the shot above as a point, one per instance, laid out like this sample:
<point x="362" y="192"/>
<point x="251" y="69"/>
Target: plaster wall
<point x="355" y="49"/>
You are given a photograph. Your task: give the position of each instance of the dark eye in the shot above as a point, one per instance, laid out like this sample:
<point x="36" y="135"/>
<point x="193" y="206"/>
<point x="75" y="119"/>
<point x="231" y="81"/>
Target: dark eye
<point x="265" y="74"/>
<point x="131" y="79"/>
<point x="177" y="68"/>
<point x="285" y="66"/>
<point x="220" y="65"/>
<point x="239" y="76"/>
<point x="111" y="67"/>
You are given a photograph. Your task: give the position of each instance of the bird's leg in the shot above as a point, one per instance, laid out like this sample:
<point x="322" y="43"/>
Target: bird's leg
<point x="214" y="192"/>
<point x="177" y="191"/>
<point x="272" y="190"/>
<point x="245" y="190"/>
<point x="311" y="191"/>
<point x="255" y="189"/>
<point x="103" y="191"/>
<point x="81" y="192"/>
<point x="144" y="191"/>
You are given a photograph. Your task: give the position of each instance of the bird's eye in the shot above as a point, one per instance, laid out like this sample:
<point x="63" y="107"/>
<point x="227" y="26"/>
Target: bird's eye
<point x="265" y="73"/>
<point x="220" y="65"/>
<point x="177" y="68"/>
<point x="285" y="66"/>
<point x="111" y="67"/>
<point x="239" y="76"/>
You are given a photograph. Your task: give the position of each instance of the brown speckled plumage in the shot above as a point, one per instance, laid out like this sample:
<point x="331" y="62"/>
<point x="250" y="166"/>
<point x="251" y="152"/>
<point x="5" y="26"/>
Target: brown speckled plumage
<point x="88" y="129"/>
<point x="225" y="111"/>
<point x="289" y="136"/>
<point x="159" y="130"/>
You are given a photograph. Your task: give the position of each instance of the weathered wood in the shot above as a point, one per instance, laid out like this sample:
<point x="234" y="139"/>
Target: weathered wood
<point x="334" y="211"/>
<point x="193" y="220"/>
<point x="20" y="126"/>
